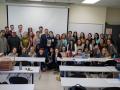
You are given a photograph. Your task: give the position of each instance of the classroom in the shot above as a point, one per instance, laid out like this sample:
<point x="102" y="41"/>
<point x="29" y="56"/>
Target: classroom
<point x="60" y="44"/>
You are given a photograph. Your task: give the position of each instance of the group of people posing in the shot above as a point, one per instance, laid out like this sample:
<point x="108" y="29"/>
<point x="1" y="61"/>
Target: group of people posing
<point x="43" y="43"/>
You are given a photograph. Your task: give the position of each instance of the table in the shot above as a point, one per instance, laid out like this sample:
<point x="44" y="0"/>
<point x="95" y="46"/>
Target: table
<point x="85" y="69"/>
<point x="90" y="82"/>
<point x="88" y="69"/>
<point x="30" y="59"/>
<point x="24" y="70"/>
<point x="82" y="59"/>
<point x="32" y="70"/>
<point x="17" y="87"/>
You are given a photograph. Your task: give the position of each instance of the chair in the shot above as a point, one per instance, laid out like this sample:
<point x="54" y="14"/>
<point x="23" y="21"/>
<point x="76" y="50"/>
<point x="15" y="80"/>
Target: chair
<point x="26" y="63"/>
<point x="110" y="63"/>
<point x="78" y="75"/>
<point x="18" y="80"/>
<point x="77" y="87"/>
<point x="110" y="75"/>
<point x="111" y="88"/>
<point x="17" y="63"/>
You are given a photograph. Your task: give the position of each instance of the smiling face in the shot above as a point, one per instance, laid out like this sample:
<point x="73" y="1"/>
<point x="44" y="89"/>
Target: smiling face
<point x="20" y="27"/>
<point x="41" y="29"/>
<point x="108" y="42"/>
<point x="79" y="42"/>
<point x="41" y="51"/>
<point x="104" y="50"/>
<point x="12" y="27"/>
<point x="58" y="37"/>
<point x="56" y="50"/>
<point x="79" y="51"/>
<point x="81" y="34"/>
<point x="46" y="31"/>
<point x="89" y="36"/>
<point x="37" y="33"/>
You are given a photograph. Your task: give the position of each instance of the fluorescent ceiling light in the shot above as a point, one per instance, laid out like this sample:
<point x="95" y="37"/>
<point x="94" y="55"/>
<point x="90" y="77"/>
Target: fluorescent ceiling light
<point x="35" y="0"/>
<point x="90" y="1"/>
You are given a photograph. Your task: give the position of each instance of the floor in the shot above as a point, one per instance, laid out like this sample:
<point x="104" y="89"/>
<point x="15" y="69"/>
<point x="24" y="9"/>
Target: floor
<point x="48" y="82"/>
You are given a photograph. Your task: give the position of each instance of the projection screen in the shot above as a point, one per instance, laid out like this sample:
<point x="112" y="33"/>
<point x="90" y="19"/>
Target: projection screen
<point x="55" y="19"/>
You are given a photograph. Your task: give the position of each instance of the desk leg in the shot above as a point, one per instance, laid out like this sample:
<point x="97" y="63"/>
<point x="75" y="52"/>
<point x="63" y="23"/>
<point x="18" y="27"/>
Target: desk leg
<point x="64" y="88"/>
<point x="65" y="73"/>
<point x="102" y="74"/>
<point x="40" y="71"/>
<point x="32" y="78"/>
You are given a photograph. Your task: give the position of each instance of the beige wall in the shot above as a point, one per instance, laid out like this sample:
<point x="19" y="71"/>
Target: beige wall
<point x="3" y="16"/>
<point x="113" y="16"/>
<point x="79" y="14"/>
<point x="87" y="14"/>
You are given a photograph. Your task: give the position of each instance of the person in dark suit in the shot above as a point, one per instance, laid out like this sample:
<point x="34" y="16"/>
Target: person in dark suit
<point x="45" y="42"/>
<point x="118" y="44"/>
<point x="14" y="42"/>
<point x="41" y="54"/>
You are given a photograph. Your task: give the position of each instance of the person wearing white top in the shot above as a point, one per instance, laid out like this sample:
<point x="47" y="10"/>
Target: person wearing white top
<point x="78" y="45"/>
<point x="20" y="31"/>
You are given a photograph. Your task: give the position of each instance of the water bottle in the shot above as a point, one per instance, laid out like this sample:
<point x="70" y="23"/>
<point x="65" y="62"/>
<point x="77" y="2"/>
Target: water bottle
<point x="20" y="66"/>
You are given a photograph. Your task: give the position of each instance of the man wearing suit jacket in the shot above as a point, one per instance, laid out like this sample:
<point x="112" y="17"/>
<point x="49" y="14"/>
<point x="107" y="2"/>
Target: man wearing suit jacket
<point x="45" y="42"/>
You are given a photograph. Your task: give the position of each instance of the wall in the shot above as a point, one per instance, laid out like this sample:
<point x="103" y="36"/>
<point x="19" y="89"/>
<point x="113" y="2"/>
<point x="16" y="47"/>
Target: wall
<point x="113" y="16"/>
<point x="80" y="14"/>
<point x="87" y="14"/>
<point x="3" y="16"/>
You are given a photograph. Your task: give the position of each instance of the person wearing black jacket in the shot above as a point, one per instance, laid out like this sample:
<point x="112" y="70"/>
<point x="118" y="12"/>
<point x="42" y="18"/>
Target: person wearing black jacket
<point x="14" y="42"/>
<point x="53" y="41"/>
<point x="57" y="63"/>
<point x="118" y="45"/>
<point x="52" y="62"/>
<point x="50" y="59"/>
<point x="41" y="54"/>
<point x="45" y="42"/>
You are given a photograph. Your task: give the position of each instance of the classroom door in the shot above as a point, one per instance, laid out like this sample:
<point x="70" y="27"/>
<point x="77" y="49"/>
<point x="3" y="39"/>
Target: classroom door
<point x="115" y="33"/>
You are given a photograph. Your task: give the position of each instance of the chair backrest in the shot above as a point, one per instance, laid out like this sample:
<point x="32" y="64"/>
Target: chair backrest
<point x="18" y="80"/>
<point x="110" y="63"/>
<point x="80" y="75"/>
<point x="26" y="63"/>
<point x="77" y="87"/>
<point x="110" y="75"/>
<point x="111" y="88"/>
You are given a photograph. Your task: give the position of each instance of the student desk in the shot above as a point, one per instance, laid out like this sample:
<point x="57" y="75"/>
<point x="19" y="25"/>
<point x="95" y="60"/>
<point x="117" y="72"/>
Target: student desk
<point x="90" y="82"/>
<point x="17" y="87"/>
<point x="30" y="59"/>
<point x="32" y="70"/>
<point x="88" y="69"/>
<point x="83" y="59"/>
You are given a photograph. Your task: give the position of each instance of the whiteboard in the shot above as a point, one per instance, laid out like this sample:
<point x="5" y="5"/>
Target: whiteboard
<point x="87" y="28"/>
<point x="55" y="19"/>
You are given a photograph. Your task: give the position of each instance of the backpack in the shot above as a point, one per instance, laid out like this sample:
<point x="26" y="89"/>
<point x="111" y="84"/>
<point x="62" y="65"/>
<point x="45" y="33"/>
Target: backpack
<point x="77" y="87"/>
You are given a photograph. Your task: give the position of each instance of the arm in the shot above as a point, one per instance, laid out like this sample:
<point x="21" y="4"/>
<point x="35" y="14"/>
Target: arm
<point x="75" y="48"/>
